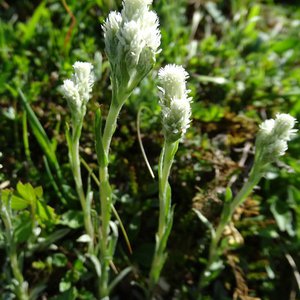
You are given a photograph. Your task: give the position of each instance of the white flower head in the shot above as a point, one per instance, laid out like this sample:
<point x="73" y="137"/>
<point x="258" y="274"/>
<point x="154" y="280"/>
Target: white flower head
<point x="70" y="91"/>
<point x="172" y="80"/>
<point x="175" y="103"/>
<point x="283" y="128"/>
<point x="133" y="9"/>
<point x="84" y="79"/>
<point x="146" y="22"/>
<point x="132" y="39"/>
<point x="151" y="31"/>
<point x="267" y="126"/>
<point x="77" y="90"/>
<point x="273" y="135"/>
<point x="279" y="148"/>
<point x="112" y="23"/>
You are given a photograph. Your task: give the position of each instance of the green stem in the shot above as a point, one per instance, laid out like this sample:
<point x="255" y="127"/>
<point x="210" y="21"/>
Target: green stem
<point x="165" y="213"/>
<point x="25" y="137"/>
<point x="75" y="162"/>
<point x="226" y="216"/>
<point x="110" y="126"/>
<point x="106" y="199"/>
<point x="112" y="206"/>
<point x="244" y="192"/>
<point x="164" y="203"/>
<point x="21" y="288"/>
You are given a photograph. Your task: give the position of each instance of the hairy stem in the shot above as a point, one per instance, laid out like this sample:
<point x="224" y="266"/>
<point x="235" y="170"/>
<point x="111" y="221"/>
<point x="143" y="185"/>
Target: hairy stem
<point x="164" y="203"/>
<point x="165" y="212"/>
<point x="226" y="216"/>
<point x="75" y="162"/>
<point x="106" y="200"/>
<point x="21" y="287"/>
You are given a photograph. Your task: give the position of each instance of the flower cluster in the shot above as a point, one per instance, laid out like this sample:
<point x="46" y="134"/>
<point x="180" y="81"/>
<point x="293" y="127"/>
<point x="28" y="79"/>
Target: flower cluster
<point x="132" y="38"/>
<point x="174" y="101"/>
<point x="77" y="90"/>
<point x="272" y="138"/>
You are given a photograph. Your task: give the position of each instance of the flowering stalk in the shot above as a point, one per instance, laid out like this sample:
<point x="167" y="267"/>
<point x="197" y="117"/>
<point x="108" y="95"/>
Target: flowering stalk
<point x="20" y="284"/>
<point x="77" y="91"/>
<point x="165" y="212"/>
<point x="176" y="112"/>
<point x="132" y="39"/>
<point x="271" y="143"/>
<point x="106" y="251"/>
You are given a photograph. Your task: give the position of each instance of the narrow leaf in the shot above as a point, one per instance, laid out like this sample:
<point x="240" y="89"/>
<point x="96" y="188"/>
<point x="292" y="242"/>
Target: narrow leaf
<point x="38" y="131"/>
<point x="119" y="278"/>
<point x="94" y="259"/>
<point x="205" y="221"/>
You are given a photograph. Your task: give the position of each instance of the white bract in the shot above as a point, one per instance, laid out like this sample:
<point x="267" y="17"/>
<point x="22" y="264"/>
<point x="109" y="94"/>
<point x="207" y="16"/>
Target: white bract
<point x="77" y="90"/>
<point x="174" y="101"/>
<point x="273" y="136"/>
<point x="132" y="39"/>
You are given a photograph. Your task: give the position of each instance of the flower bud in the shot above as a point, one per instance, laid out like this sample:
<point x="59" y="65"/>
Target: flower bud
<point x="174" y="101"/>
<point x="132" y="39"/>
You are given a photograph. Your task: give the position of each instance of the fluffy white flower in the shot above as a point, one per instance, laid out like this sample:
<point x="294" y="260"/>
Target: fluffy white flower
<point x="267" y="126"/>
<point x="151" y="31"/>
<point x="172" y="80"/>
<point x="135" y="9"/>
<point x="146" y="20"/>
<point x="273" y="135"/>
<point x="83" y="79"/>
<point x="175" y="103"/>
<point x="283" y="128"/>
<point x="279" y="129"/>
<point x="135" y="19"/>
<point x="77" y="90"/>
<point x="278" y="148"/>
<point x="176" y="118"/>
<point x="70" y="91"/>
<point x="112" y="23"/>
<point x="132" y="39"/>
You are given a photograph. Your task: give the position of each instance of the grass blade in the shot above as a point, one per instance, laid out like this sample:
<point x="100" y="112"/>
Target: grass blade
<point x="25" y="137"/>
<point x="38" y="130"/>
<point x="52" y="181"/>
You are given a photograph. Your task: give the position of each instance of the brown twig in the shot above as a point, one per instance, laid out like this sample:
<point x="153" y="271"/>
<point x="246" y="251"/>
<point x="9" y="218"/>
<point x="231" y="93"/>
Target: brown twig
<point x="69" y="33"/>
